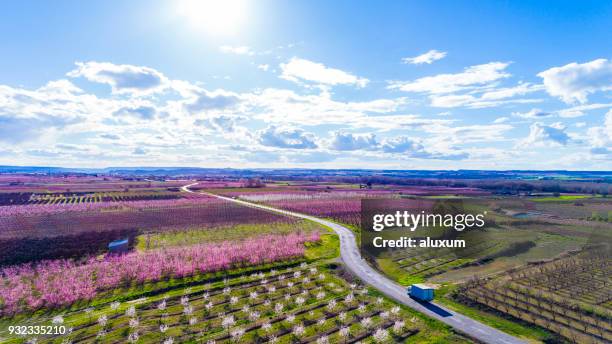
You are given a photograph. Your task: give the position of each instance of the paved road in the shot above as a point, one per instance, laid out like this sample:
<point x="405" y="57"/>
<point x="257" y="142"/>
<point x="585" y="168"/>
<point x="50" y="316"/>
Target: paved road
<point x="352" y="258"/>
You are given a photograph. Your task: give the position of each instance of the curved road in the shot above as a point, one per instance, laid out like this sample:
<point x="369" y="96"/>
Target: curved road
<point x="352" y="258"/>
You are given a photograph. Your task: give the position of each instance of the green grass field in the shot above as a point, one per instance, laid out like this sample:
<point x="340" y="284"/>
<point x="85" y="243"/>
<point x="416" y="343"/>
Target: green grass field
<point x="229" y="233"/>
<point x="561" y="198"/>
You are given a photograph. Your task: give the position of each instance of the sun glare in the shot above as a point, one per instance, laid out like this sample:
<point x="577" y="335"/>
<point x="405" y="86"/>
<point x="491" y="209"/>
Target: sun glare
<point x="217" y="17"/>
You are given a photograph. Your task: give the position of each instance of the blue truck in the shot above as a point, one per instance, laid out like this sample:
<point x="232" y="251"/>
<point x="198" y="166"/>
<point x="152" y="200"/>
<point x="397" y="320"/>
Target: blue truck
<point x="421" y="292"/>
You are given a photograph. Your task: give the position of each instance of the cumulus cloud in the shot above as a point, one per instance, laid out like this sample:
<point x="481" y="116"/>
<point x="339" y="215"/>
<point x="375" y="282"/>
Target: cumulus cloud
<point x="601" y="136"/>
<point x="162" y="126"/>
<point x="222" y="123"/>
<point x="15" y="129"/>
<point x="121" y="78"/>
<point x="299" y="70"/>
<point x="413" y="148"/>
<point x="545" y="135"/>
<point x="273" y="105"/>
<point x="286" y="137"/>
<point x="343" y="141"/>
<point x="401" y="144"/>
<point x="139" y="112"/>
<point x="403" y="147"/>
<point x="532" y="114"/>
<point x="238" y="50"/>
<point x="62" y="88"/>
<point x="470" y="78"/>
<point x="59" y="98"/>
<point x="575" y="81"/>
<point x="217" y="100"/>
<point x="29" y="115"/>
<point x="428" y="57"/>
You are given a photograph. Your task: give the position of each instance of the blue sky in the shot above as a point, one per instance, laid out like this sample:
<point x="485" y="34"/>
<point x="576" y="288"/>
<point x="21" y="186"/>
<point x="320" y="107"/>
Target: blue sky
<point x="326" y="84"/>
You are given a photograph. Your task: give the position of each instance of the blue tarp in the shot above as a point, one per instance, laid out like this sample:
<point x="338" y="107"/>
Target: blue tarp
<point x="120" y="245"/>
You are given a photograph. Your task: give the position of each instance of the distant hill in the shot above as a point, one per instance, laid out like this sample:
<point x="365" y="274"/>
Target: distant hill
<point x="605" y="176"/>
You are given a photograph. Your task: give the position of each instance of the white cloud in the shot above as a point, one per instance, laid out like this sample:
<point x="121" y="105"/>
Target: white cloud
<point x="140" y="112"/>
<point x="406" y="147"/>
<point x="428" y="57"/>
<point x="343" y="141"/>
<point x="39" y="115"/>
<point x="282" y="106"/>
<point x="15" y="130"/>
<point x="453" y="100"/>
<point x="238" y="50"/>
<point x="139" y="151"/>
<point x="580" y="110"/>
<point x="468" y="133"/>
<point x="217" y="100"/>
<point x="298" y="70"/>
<point x="470" y="78"/>
<point x="510" y="92"/>
<point x="532" y="114"/>
<point x="486" y="96"/>
<point x="122" y="78"/>
<point x="263" y="67"/>
<point x="601" y="136"/>
<point x="226" y="126"/>
<point x="286" y="137"/>
<point x="401" y="144"/>
<point x="112" y="137"/>
<point x="40" y="125"/>
<point x="544" y="135"/>
<point x="60" y="88"/>
<point x="473" y="102"/>
<point x="574" y="82"/>
<point x="401" y="147"/>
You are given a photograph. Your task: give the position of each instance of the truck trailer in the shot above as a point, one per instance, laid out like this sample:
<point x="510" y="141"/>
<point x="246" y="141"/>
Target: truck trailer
<point x="422" y="292"/>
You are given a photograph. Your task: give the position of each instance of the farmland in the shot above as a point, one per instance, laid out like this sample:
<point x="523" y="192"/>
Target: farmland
<point x="197" y="269"/>
<point x="34" y="232"/>
<point x="60" y="283"/>
<point x="526" y="231"/>
<point x="569" y="296"/>
<point x="203" y="269"/>
<point x="338" y="202"/>
<point x="284" y="304"/>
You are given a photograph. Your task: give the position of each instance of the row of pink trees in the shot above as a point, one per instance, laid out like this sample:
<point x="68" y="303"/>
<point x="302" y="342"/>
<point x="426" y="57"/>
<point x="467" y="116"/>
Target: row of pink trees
<point x="345" y="210"/>
<point x="62" y="282"/>
<point x="340" y="205"/>
<point x="46" y="209"/>
<point x="31" y="221"/>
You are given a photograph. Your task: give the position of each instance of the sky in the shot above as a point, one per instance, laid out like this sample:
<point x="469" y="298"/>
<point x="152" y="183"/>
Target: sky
<point x="307" y="84"/>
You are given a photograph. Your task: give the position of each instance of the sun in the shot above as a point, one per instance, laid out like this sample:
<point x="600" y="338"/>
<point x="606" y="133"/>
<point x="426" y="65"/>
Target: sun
<point x="217" y="17"/>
